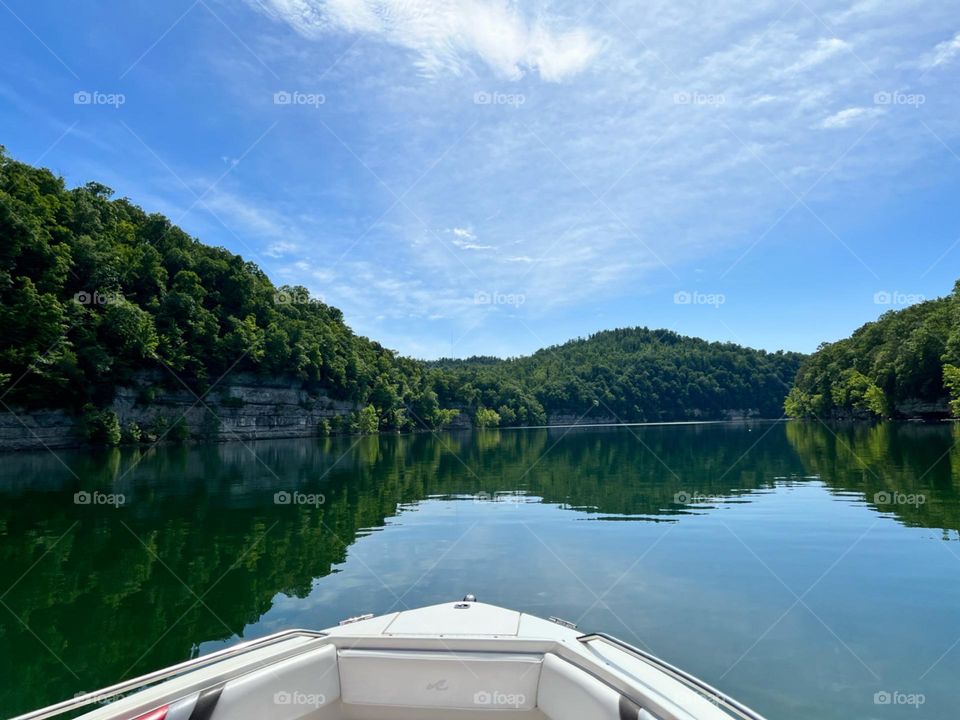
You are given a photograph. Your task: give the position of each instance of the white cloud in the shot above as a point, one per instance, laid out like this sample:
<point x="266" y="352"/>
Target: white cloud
<point x="446" y="35"/>
<point x="943" y="53"/>
<point x="848" y="117"/>
<point x="764" y="99"/>
<point x="512" y="204"/>
<point x="824" y="50"/>
<point x="279" y="249"/>
<point x="265" y="222"/>
<point x="465" y="239"/>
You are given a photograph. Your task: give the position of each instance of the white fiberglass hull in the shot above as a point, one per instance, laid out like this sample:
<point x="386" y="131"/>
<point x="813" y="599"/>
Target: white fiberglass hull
<point x="456" y="660"/>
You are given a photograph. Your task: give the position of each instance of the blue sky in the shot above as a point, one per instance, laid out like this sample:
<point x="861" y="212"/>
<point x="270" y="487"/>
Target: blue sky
<point x="487" y="177"/>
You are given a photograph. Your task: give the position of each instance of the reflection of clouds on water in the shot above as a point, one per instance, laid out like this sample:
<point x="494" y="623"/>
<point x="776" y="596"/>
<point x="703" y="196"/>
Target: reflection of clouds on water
<point x="511" y="516"/>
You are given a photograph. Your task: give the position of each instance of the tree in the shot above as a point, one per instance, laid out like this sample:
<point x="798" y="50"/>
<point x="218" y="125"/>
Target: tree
<point x="858" y="392"/>
<point x="100" y="426"/>
<point x="365" y="421"/>
<point x="800" y="404"/>
<point x="443" y="418"/>
<point x="485" y="417"/>
<point x="94" y="290"/>
<point x="243" y="341"/>
<point x="129" y="331"/>
<point x="951" y="379"/>
<point x="899" y="359"/>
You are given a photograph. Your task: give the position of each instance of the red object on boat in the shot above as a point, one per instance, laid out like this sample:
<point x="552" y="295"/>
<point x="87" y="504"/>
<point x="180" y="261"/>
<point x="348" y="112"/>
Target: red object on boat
<point x="159" y="714"/>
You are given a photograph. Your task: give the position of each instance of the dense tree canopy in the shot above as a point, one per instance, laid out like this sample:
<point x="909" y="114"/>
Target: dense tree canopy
<point x="631" y="374"/>
<point x="905" y="359"/>
<point x="93" y="290"/>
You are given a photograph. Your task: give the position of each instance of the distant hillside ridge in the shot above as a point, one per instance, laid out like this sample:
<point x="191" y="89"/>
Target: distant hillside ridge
<point x="96" y="294"/>
<point x="632" y="375"/>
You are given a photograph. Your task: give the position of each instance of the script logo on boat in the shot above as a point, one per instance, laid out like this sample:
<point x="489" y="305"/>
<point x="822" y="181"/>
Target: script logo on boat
<point x="495" y="698"/>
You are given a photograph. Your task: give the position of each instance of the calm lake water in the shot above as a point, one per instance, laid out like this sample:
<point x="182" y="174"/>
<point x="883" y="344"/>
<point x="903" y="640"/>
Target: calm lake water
<point x="803" y="569"/>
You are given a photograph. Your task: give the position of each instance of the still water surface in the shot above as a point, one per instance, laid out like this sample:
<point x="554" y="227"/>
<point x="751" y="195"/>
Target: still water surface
<point x="801" y="568"/>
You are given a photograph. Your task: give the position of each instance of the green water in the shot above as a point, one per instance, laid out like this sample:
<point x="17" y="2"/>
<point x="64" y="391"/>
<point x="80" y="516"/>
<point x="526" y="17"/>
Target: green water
<point x="760" y="557"/>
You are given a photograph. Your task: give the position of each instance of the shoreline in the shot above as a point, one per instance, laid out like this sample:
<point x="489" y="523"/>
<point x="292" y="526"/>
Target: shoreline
<point x="190" y="443"/>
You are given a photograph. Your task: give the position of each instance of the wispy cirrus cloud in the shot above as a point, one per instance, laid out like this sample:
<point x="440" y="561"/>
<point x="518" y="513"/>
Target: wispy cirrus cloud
<point x="824" y="50"/>
<point x="446" y="36"/>
<point x="943" y="53"/>
<point x="848" y="117"/>
<point x="676" y="136"/>
<point x="466" y="239"/>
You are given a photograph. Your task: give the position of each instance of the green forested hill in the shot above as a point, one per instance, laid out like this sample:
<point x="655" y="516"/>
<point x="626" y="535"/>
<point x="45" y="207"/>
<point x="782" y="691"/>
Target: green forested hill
<point x="94" y="290"/>
<point x="906" y="359"/>
<point x="634" y="374"/>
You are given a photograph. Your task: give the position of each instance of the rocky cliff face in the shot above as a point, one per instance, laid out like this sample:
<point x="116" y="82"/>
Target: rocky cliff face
<point x="244" y="406"/>
<point x="37" y="430"/>
<point x="913" y="408"/>
<point x="241" y="407"/>
<point x="907" y="409"/>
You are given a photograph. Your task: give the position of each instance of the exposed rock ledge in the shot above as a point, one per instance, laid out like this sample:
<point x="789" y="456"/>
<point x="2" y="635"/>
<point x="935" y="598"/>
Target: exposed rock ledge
<point x="244" y="407"/>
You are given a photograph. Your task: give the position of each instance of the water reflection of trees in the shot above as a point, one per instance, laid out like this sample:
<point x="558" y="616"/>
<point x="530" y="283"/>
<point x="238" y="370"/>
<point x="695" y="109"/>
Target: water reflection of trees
<point x="888" y="461"/>
<point x="106" y="583"/>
